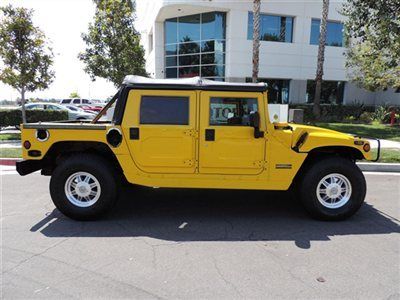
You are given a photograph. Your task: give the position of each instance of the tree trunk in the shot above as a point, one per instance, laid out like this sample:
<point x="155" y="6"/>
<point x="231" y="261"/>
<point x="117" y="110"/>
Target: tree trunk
<point x="256" y="38"/>
<point x="23" y="105"/>
<point x="320" y="61"/>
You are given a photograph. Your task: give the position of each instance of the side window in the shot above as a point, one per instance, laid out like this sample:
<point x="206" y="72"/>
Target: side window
<point x="66" y="101"/>
<point x="232" y="111"/>
<point x="77" y="101"/>
<point x="164" y="110"/>
<point x="85" y="101"/>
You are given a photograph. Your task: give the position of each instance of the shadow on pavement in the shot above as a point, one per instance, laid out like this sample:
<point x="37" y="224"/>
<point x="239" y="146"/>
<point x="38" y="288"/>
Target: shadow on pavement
<point x="183" y="215"/>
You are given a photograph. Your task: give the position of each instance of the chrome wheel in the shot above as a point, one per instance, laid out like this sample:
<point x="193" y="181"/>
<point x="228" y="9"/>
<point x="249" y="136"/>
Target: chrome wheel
<point x="334" y="190"/>
<point x="82" y="189"/>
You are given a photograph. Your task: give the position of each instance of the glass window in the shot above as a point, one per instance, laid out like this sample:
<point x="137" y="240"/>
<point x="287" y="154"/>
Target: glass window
<point x="34" y="106"/>
<point x="66" y="101"/>
<point x="85" y="101"/>
<point x="213" y="26"/>
<point x="331" y="92"/>
<point x="232" y="111"/>
<point x="189" y="28"/>
<point x="53" y="107"/>
<point x="186" y="72"/>
<point x="199" y="49"/>
<point x="272" y="28"/>
<point x="171" y="73"/>
<point x="77" y="101"/>
<point x="171" y="31"/>
<point x="278" y="89"/>
<point x="334" y="33"/>
<point x="164" y="110"/>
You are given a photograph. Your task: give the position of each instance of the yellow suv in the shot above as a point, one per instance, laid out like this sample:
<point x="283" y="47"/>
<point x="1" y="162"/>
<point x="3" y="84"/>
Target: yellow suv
<point x="193" y="133"/>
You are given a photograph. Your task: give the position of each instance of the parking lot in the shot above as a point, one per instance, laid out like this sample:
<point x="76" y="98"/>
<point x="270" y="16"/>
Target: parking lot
<point x="167" y="243"/>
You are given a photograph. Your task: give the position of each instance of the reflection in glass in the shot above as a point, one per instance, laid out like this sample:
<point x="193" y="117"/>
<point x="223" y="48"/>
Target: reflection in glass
<point x="272" y="28"/>
<point x="332" y="92"/>
<point x="195" y="45"/>
<point x="189" y="28"/>
<point x="334" y="33"/>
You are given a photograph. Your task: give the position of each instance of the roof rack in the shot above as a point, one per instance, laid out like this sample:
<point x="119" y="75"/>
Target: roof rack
<point x="196" y="83"/>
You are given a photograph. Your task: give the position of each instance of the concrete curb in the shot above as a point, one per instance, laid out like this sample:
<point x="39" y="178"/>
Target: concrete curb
<point x="379" y="167"/>
<point x="8" y="161"/>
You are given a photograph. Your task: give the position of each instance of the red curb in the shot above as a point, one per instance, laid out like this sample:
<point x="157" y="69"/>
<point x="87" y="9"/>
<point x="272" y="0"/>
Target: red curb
<point x="8" y="161"/>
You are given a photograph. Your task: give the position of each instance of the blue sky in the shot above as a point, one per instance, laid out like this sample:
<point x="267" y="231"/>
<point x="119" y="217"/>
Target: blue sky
<point x="63" y="21"/>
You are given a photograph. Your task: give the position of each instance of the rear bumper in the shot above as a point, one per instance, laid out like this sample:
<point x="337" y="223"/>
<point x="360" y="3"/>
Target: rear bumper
<point x="26" y="167"/>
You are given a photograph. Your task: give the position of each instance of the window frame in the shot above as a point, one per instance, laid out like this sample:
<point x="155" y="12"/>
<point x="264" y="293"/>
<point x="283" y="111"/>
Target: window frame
<point x="187" y="98"/>
<point x="327" y="32"/>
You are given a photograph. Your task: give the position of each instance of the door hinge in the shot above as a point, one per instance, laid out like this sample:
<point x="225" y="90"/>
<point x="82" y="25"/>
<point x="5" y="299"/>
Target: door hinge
<point x="191" y="132"/>
<point x="188" y="162"/>
<point x="260" y="164"/>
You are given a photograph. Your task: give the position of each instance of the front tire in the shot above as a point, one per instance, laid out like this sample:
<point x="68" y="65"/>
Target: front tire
<point x="333" y="189"/>
<point x="83" y="187"/>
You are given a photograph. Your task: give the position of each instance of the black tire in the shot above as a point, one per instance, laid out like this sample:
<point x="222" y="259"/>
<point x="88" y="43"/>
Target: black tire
<point x="316" y="172"/>
<point x="97" y="167"/>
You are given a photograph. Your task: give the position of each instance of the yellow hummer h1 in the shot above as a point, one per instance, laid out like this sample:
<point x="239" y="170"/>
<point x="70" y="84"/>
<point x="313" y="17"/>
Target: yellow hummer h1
<point x="193" y="133"/>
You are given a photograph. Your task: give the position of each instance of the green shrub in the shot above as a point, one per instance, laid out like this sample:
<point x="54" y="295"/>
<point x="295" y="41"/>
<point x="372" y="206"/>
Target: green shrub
<point x="367" y="117"/>
<point x="13" y="117"/>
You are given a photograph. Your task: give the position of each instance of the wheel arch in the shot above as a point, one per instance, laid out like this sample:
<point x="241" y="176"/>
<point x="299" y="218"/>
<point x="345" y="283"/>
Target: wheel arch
<point x="62" y="150"/>
<point x="324" y="152"/>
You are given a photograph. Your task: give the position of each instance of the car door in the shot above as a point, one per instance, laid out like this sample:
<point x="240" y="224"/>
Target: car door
<point x="227" y="143"/>
<point x="160" y="128"/>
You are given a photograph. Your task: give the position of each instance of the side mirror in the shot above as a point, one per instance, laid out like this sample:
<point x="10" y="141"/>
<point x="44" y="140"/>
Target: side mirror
<point x="255" y="123"/>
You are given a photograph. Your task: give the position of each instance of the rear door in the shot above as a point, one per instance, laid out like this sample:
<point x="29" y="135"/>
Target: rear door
<point x="227" y="143"/>
<point x="160" y="127"/>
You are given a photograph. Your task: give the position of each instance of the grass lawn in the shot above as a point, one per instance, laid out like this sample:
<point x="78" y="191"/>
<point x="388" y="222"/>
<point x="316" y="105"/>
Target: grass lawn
<point x="374" y="130"/>
<point x="11" y="153"/>
<point x="10" y="136"/>
<point x="388" y="155"/>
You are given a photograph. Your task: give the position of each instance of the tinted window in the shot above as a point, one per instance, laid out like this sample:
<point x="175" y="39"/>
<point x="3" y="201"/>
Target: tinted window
<point x="164" y="110"/>
<point x="66" y="101"/>
<point x="232" y="111"/>
<point x="272" y="28"/>
<point x="331" y="91"/>
<point x="77" y="101"/>
<point x="334" y="33"/>
<point x="85" y="101"/>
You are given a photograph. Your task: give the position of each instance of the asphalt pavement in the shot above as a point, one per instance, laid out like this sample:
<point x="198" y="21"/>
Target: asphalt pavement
<point x="191" y="244"/>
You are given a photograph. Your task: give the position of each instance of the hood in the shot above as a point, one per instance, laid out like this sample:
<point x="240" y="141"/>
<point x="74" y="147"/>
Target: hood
<point x="304" y="138"/>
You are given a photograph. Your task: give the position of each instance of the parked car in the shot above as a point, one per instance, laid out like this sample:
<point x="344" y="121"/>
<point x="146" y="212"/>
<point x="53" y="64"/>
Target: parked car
<point x="90" y="108"/>
<point x="78" y="109"/>
<point x="195" y="133"/>
<point x="72" y="115"/>
<point x="75" y="101"/>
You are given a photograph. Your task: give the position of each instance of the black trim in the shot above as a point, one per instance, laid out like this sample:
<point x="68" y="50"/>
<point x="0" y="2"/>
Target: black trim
<point x="64" y="126"/>
<point x="134" y="133"/>
<point x="26" y="167"/>
<point x="210" y="135"/>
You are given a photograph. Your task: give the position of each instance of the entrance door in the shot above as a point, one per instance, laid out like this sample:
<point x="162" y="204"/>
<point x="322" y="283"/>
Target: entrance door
<point x="227" y="142"/>
<point x="160" y="129"/>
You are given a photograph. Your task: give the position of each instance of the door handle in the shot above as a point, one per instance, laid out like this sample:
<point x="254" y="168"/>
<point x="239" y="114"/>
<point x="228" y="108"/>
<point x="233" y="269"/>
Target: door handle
<point x="134" y="133"/>
<point x="210" y="134"/>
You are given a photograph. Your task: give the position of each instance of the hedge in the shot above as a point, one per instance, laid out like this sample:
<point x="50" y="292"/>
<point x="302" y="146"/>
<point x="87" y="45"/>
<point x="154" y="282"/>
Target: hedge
<point x="334" y="113"/>
<point x="13" y="117"/>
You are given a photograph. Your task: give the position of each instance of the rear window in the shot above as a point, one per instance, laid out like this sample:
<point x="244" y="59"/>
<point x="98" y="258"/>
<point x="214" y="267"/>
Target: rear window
<point x="164" y="110"/>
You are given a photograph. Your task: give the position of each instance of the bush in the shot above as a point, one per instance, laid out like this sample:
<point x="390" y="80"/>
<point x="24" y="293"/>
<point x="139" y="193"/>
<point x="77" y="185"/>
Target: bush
<point x="13" y="117"/>
<point x="335" y="113"/>
<point x="366" y="117"/>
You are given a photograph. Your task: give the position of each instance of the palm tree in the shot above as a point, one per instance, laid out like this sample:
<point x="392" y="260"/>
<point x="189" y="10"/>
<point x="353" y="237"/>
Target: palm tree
<point x="321" y="58"/>
<point x="256" y="38"/>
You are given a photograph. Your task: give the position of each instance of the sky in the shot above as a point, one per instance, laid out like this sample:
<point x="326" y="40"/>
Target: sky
<point x="63" y="21"/>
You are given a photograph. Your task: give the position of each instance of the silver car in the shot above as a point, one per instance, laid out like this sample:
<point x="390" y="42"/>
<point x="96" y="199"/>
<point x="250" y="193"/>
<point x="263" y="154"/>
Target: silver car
<point x="72" y="114"/>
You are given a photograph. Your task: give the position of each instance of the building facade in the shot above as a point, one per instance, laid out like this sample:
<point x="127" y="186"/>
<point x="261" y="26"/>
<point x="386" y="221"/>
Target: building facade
<point x="213" y="39"/>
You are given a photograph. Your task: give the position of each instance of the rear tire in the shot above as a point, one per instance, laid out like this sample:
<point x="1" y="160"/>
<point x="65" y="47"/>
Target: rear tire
<point x="83" y="187"/>
<point x="333" y="189"/>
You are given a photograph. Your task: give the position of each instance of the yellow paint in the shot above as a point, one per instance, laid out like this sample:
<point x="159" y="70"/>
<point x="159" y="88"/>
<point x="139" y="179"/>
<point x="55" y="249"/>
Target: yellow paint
<point x="179" y="156"/>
